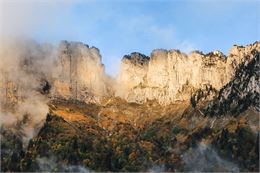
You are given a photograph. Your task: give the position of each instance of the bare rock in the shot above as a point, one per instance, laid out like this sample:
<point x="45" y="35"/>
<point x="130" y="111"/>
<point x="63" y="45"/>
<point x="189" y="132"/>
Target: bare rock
<point x="170" y="75"/>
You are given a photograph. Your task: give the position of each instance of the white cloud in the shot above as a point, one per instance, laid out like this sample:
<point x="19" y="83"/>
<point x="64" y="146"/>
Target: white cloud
<point x="56" y="19"/>
<point x="23" y="18"/>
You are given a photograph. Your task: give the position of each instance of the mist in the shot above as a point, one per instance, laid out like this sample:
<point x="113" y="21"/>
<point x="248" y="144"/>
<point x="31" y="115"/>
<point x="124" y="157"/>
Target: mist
<point x="32" y="73"/>
<point x="204" y="158"/>
<point x="24" y="67"/>
<point x="51" y="164"/>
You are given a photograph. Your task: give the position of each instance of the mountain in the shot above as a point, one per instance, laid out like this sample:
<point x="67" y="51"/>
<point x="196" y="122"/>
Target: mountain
<point x="170" y="76"/>
<point x="167" y="112"/>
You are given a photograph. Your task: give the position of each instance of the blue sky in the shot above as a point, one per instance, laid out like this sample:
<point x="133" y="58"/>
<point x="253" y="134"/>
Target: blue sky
<point x="121" y="27"/>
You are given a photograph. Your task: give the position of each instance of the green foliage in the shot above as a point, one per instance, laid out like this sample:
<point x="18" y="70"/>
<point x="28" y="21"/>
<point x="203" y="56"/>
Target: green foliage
<point x="176" y="130"/>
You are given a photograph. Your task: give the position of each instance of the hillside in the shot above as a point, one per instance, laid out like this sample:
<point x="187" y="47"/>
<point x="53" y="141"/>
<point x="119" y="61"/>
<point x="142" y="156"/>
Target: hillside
<point x="107" y="138"/>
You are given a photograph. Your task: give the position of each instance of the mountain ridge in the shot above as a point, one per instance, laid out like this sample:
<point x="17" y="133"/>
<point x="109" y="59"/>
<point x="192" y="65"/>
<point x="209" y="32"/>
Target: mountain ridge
<point x="167" y="73"/>
<point x="61" y="112"/>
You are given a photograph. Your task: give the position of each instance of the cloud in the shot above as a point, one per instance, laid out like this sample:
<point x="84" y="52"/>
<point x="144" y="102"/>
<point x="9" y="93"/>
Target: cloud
<point x="23" y="66"/>
<point x="25" y="18"/>
<point x="112" y="69"/>
<point x="127" y="25"/>
<point x="50" y="164"/>
<point x="204" y="158"/>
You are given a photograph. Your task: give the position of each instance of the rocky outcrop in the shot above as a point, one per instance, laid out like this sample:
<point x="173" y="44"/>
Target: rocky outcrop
<point x="79" y="73"/>
<point x="170" y="76"/>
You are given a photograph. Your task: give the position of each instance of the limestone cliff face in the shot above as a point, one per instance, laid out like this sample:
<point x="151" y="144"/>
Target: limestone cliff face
<point x="135" y="68"/>
<point x="75" y="71"/>
<point x="72" y="70"/>
<point x="79" y="73"/>
<point x="170" y="75"/>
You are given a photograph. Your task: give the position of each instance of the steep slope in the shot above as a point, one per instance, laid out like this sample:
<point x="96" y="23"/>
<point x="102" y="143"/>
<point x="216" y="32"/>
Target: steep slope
<point x="80" y="135"/>
<point x="241" y="92"/>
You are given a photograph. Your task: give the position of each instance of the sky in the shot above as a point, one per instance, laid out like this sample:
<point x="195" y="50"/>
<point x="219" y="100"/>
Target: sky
<point x="119" y="27"/>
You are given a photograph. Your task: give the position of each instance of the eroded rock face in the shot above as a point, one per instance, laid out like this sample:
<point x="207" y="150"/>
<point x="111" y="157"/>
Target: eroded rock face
<point x="170" y="75"/>
<point x="79" y="73"/>
<point x="72" y="70"/>
<point x="75" y="71"/>
<point x="241" y="92"/>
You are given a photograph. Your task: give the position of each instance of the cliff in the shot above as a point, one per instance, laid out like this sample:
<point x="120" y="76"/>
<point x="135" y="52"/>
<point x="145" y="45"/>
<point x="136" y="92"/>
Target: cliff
<point x="88" y="128"/>
<point x="170" y="76"/>
<point x="79" y="73"/>
<point x="74" y="71"/>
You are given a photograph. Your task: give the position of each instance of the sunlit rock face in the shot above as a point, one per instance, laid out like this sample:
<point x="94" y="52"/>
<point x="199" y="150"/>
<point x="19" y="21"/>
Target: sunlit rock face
<point x="170" y="75"/>
<point x="134" y="68"/>
<point x="79" y="73"/>
<point x="74" y="70"/>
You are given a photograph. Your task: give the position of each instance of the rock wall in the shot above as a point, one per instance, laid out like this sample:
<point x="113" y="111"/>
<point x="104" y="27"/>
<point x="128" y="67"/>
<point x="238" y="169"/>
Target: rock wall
<point x="74" y="70"/>
<point x="170" y="75"/>
<point x="79" y="73"/>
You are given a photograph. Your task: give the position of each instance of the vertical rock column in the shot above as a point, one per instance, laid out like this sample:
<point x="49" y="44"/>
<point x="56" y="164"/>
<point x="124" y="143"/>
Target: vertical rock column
<point x="79" y="73"/>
